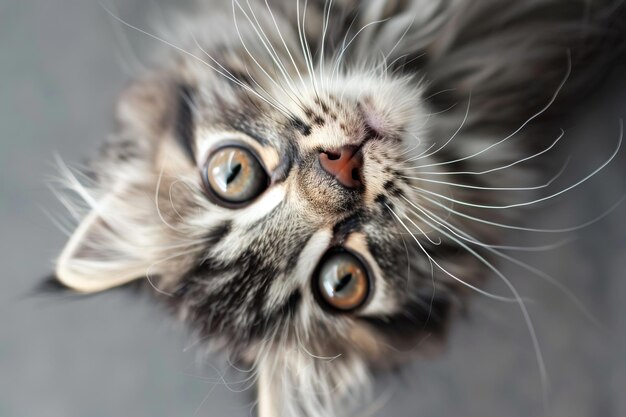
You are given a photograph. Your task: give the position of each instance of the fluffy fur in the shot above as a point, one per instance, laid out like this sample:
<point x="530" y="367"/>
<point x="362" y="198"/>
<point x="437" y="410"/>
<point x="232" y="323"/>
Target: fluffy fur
<point x="450" y="101"/>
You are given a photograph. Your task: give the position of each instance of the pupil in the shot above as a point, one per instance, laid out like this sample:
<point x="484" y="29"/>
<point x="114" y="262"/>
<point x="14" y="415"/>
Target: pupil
<point x="233" y="174"/>
<point x="343" y="282"/>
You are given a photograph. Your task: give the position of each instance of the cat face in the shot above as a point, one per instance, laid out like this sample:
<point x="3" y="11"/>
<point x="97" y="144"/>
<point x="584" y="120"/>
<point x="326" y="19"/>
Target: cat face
<point x="241" y="215"/>
<point x="272" y="218"/>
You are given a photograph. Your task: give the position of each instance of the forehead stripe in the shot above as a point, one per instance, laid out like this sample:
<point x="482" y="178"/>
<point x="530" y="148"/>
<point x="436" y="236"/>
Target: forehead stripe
<point x="243" y="127"/>
<point x="184" y="120"/>
<point x="429" y="313"/>
<point x="345" y="227"/>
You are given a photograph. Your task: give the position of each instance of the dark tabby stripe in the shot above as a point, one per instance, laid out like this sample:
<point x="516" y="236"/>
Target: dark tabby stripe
<point x="219" y="232"/>
<point x="426" y="315"/>
<point x="347" y="226"/>
<point x="299" y="125"/>
<point x="184" y="120"/>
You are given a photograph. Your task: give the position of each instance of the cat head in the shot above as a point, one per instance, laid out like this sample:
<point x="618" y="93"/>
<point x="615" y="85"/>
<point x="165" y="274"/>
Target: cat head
<point x="272" y="200"/>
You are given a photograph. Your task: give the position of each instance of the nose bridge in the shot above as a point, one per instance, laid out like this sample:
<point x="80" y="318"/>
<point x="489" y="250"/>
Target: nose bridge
<point x="344" y="164"/>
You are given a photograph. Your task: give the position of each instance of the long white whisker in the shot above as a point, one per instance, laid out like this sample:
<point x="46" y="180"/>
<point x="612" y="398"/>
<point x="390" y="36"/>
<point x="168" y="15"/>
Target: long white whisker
<point x="531" y="118"/>
<point x="408" y="262"/>
<point x="487" y="171"/>
<point x="60" y="223"/>
<point x="325" y="23"/>
<point x="445" y="271"/>
<point x="483" y="188"/>
<point x="306" y="49"/>
<point x="131" y="56"/>
<point x="388" y="54"/>
<point x="519" y="300"/>
<point x="247" y="88"/>
<point x="529" y="229"/>
<point x="474" y="241"/>
<point x="269" y="47"/>
<point x="343" y="50"/>
<point x="467" y="237"/>
<point x="245" y="47"/>
<point x="527" y="203"/>
<point x="185" y="52"/>
<point x="280" y="35"/>
<point x="573" y="298"/>
<point x="467" y="109"/>
<point x="436" y="243"/>
<point x="156" y="202"/>
<point x="337" y="58"/>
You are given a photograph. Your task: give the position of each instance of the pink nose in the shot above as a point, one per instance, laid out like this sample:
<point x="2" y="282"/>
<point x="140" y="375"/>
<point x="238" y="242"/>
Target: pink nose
<point x="344" y="164"/>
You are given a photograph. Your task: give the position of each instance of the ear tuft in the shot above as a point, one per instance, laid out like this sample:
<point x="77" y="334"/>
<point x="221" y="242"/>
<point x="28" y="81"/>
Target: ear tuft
<point x="100" y="254"/>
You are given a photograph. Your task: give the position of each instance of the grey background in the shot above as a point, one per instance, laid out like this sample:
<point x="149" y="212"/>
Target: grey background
<point x="62" y="62"/>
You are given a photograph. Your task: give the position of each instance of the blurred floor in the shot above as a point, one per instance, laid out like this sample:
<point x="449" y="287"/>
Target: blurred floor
<point x="62" y="63"/>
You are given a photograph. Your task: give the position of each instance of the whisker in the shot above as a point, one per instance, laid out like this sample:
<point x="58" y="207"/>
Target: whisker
<point x="519" y="161"/>
<point x="260" y="87"/>
<point x="343" y="50"/>
<point x="401" y="37"/>
<point x="336" y="57"/>
<point x="541" y="248"/>
<point x="306" y="49"/>
<point x="529" y="229"/>
<point x="469" y="99"/>
<point x="285" y="45"/>
<point x="325" y="22"/>
<point x="436" y="243"/>
<point x="271" y="50"/>
<point x="447" y="90"/>
<point x="156" y="202"/>
<point x="416" y="145"/>
<point x="519" y="301"/>
<point x="185" y="52"/>
<point x="445" y="271"/>
<point x="132" y="59"/>
<point x="484" y="188"/>
<point x="172" y="200"/>
<point x="530" y="119"/>
<point x="538" y="200"/>
<point x="466" y="236"/>
<point x="408" y="261"/>
<point x="245" y="47"/>
<point x="305" y="350"/>
<point x="204" y="400"/>
<point x="62" y="225"/>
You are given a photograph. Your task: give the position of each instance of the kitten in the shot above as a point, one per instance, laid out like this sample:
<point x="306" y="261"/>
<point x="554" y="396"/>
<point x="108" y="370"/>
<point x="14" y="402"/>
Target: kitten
<point x="317" y="187"/>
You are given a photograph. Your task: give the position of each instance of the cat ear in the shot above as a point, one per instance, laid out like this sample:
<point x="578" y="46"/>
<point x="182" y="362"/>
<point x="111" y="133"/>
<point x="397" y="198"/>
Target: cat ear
<point x="101" y="254"/>
<point x="120" y="239"/>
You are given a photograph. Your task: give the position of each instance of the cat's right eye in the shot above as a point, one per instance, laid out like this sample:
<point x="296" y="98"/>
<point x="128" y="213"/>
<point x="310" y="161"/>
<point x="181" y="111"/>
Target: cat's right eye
<point x="234" y="176"/>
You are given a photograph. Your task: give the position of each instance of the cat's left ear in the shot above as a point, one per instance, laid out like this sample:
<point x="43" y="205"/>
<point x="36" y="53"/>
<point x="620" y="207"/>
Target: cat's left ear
<point x="109" y="248"/>
<point x="118" y="241"/>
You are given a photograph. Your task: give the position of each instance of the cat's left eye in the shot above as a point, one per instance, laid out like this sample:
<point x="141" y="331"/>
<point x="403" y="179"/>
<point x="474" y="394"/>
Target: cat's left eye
<point x="342" y="282"/>
<point x="234" y="175"/>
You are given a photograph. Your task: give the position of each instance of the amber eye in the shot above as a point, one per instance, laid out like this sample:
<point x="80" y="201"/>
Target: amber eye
<point x="342" y="281"/>
<point x="234" y="175"/>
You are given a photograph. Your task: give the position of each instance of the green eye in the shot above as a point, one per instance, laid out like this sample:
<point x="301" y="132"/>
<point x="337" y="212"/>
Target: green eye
<point x="234" y="175"/>
<point x="342" y="281"/>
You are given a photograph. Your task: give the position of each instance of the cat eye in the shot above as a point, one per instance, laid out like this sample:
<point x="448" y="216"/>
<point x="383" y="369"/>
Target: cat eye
<point x="234" y="176"/>
<point x="341" y="282"/>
